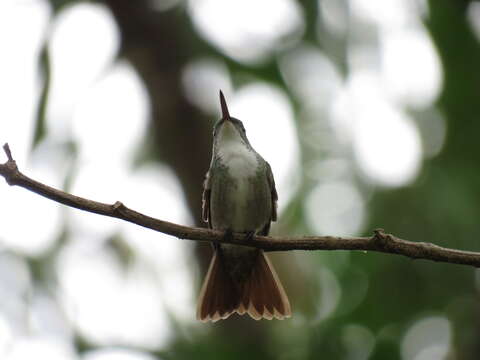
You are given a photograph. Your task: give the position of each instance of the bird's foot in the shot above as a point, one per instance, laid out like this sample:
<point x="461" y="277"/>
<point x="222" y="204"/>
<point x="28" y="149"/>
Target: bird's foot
<point x="249" y="235"/>
<point x="228" y="235"/>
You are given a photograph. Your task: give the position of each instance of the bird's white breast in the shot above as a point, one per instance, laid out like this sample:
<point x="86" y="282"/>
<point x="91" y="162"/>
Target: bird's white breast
<point x="242" y="165"/>
<point x="240" y="161"/>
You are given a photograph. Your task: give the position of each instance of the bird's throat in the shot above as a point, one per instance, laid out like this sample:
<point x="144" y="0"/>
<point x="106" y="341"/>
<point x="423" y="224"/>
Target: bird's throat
<point x="240" y="160"/>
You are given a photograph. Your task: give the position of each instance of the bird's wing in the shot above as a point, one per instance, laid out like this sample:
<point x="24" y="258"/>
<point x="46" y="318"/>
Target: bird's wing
<point x="206" y="200"/>
<point x="273" y="192"/>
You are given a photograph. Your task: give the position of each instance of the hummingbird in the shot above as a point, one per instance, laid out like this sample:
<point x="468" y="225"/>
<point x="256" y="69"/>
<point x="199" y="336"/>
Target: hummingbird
<point x="239" y="196"/>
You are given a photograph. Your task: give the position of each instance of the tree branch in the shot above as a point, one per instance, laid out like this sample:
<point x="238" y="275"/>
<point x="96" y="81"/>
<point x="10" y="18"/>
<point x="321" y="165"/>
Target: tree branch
<point x="379" y="242"/>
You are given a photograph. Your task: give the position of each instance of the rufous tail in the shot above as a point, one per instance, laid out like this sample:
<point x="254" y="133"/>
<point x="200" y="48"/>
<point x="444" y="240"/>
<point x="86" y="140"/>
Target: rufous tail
<point x="261" y="295"/>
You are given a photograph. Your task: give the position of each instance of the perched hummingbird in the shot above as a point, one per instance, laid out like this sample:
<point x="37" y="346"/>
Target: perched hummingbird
<point x="239" y="195"/>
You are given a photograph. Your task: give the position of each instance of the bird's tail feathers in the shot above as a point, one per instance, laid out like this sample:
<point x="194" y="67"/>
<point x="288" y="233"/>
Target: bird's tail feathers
<point x="261" y="295"/>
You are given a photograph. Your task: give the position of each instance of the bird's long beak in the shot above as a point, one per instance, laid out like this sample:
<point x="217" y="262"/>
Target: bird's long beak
<point x="223" y="104"/>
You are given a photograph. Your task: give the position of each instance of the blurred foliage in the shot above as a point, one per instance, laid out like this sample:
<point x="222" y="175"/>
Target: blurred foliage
<point x="39" y="133"/>
<point x="381" y="295"/>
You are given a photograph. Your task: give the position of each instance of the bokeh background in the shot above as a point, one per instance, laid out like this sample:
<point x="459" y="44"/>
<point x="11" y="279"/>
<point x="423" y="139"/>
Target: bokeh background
<point x="368" y="112"/>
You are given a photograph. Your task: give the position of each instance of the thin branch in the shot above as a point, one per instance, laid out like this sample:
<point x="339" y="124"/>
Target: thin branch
<point x="379" y="242"/>
<point x="8" y="152"/>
